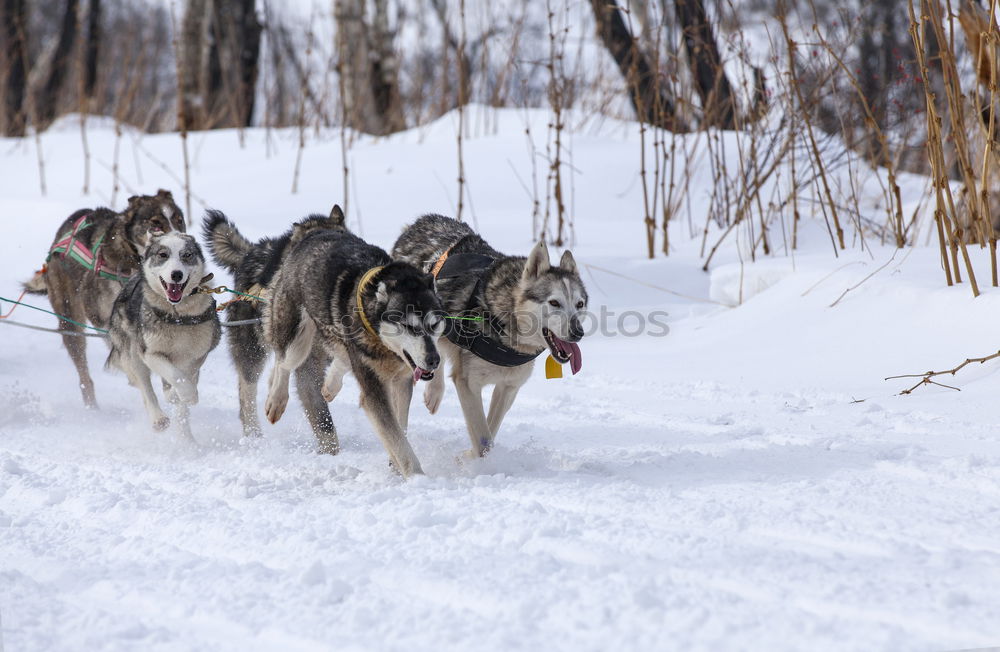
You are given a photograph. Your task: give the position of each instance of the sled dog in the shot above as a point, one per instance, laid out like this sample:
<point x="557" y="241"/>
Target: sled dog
<point x="514" y="307"/>
<point x="376" y="318"/>
<point x="253" y="266"/>
<point x="162" y="323"/>
<point x="94" y="253"/>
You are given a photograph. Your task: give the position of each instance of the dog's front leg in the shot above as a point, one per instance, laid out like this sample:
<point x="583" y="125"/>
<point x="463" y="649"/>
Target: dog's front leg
<point x="434" y="391"/>
<point x="402" y="394"/>
<point x="503" y="398"/>
<point x="138" y="375"/>
<point x="182" y="412"/>
<point x="377" y="403"/>
<point x="471" y="400"/>
<point x="183" y="385"/>
<point x="334" y="380"/>
<point x="285" y="362"/>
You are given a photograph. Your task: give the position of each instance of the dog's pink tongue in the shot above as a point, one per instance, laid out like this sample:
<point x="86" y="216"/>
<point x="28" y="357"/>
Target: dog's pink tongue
<point x="175" y="292"/>
<point x="417" y="373"/>
<point x="575" y="357"/>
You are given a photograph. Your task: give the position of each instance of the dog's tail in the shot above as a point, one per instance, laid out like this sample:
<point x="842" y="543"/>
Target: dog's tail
<point x="37" y="284"/>
<point x="226" y="244"/>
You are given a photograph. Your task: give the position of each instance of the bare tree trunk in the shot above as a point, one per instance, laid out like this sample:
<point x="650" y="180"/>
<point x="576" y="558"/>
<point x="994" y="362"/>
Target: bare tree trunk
<point x="465" y="61"/>
<point x="650" y="98"/>
<point x="369" y="67"/>
<point x="236" y="33"/>
<point x="191" y="64"/>
<point x="385" y="71"/>
<point x="220" y="43"/>
<point x="52" y="83"/>
<point x="717" y="100"/>
<point x="91" y="48"/>
<point x="13" y="55"/>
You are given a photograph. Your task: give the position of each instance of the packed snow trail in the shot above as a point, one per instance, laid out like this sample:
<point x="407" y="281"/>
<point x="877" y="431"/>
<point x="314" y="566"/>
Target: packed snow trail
<point x="747" y="481"/>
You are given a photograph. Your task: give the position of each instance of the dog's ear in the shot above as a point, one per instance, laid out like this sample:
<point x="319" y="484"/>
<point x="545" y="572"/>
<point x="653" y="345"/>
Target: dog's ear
<point x="337" y="215"/>
<point x="164" y="194"/>
<point x="567" y="262"/>
<point x="538" y="261"/>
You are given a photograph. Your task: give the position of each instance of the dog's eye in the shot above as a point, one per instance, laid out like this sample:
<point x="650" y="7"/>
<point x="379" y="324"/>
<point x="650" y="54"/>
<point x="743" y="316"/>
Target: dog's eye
<point x="554" y="303"/>
<point x="162" y="255"/>
<point x="579" y="305"/>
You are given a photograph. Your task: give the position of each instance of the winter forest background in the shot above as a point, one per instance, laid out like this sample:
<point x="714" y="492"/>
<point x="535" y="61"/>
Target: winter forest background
<point x="813" y="87"/>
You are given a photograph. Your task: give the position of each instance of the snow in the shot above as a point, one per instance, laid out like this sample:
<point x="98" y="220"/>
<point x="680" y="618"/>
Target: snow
<point x="748" y="481"/>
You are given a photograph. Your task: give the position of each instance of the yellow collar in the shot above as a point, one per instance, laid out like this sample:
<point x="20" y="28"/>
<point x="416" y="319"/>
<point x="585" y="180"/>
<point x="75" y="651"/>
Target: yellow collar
<point x="365" y="279"/>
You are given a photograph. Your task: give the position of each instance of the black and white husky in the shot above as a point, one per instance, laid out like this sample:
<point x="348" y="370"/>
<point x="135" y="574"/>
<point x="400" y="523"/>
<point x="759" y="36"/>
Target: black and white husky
<point x="254" y="266"/>
<point x="161" y="323"/>
<point x="376" y="318"/>
<point x="514" y="308"/>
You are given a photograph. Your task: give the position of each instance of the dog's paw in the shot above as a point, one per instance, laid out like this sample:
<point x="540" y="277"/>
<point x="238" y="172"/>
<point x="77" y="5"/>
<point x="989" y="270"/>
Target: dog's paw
<point x="331" y="389"/>
<point x="475" y="454"/>
<point x="410" y="468"/>
<point x="275" y="406"/>
<point x="433" y="394"/>
<point x="161" y="423"/>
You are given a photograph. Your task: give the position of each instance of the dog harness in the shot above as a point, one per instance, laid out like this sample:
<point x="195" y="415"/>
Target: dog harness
<point x="365" y="280"/>
<point x="185" y="320"/>
<point x="469" y="338"/>
<point x="68" y="245"/>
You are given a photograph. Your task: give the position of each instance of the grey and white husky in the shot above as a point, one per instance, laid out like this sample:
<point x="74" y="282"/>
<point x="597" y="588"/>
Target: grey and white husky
<point x="254" y="266"/>
<point x="94" y="253"/>
<point x="376" y="318"/>
<point x="514" y="307"/>
<point x="161" y="323"/>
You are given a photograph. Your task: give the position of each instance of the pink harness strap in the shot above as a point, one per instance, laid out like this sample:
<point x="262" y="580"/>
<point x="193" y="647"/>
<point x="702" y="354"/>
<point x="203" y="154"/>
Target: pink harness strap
<point x="71" y="240"/>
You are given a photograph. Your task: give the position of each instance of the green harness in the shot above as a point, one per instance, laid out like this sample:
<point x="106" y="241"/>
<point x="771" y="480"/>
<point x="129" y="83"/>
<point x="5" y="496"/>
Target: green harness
<point x="68" y="245"/>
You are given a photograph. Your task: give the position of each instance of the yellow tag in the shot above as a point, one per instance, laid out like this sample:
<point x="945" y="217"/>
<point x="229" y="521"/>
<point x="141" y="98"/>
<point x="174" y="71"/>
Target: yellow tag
<point x="552" y="368"/>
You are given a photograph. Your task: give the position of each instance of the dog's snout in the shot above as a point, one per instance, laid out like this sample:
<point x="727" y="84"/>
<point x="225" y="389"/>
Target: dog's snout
<point x="176" y="276"/>
<point x="432" y="360"/>
<point x="575" y="330"/>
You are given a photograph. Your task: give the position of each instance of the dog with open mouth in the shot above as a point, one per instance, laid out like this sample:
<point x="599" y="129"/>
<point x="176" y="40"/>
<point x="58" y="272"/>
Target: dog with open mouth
<point x="376" y="318"/>
<point x="163" y="323"/>
<point x="93" y="255"/>
<point x="506" y="311"/>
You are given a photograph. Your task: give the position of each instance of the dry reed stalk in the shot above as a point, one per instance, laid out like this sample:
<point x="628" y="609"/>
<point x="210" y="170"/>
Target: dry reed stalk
<point x="556" y="96"/>
<point x="183" y="115"/>
<point x="982" y="38"/>
<point x="130" y="85"/>
<point x="462" y="99"/>
<point x="344" y="144"/>
<point x="82" y="106"/>
<point x="945" y="212"/>
<point x="304" y="81"/>
<point x="803" y="111"/>
<point x="895" y="205"/>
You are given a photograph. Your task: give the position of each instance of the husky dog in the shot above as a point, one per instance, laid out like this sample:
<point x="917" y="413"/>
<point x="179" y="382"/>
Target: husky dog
<point x="94" y="253"/>
<point x="253" y="266"/>
<point x="161" y="323"/>
<point x="514" y="309"/>
<point x="376" y="318"/>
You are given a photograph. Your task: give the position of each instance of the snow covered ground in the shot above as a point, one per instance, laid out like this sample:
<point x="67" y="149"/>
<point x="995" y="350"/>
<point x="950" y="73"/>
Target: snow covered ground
<point x="747" y="481"/>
